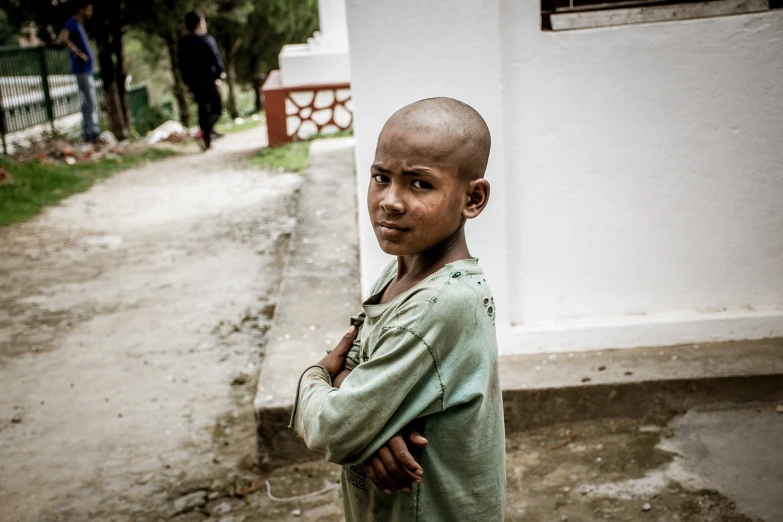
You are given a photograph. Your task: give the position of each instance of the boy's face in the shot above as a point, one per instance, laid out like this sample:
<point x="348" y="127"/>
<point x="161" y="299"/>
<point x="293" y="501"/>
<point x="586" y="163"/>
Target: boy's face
<point x="87" y="11"/>
<point x="416" y="196"/>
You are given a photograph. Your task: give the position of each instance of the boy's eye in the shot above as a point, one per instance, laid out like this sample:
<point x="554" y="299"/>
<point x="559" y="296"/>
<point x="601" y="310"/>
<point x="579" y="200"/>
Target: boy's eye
<point x="380" y="178"/>
<point x="420" y="184"/>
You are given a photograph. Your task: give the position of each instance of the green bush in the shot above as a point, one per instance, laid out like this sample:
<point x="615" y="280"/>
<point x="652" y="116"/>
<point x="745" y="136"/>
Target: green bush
<point x="151" y="117"/>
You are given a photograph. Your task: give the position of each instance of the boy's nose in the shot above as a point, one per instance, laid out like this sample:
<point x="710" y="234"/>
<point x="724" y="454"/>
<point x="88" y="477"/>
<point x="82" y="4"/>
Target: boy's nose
<point x="392" y="202"/>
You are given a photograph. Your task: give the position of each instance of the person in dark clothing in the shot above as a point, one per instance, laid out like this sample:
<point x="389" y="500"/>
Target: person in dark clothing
<point x="202" y="68"/>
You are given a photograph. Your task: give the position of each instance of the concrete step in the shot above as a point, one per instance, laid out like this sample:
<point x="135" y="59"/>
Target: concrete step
<point x="320" y="291"/>
<point x="644" y="383"/>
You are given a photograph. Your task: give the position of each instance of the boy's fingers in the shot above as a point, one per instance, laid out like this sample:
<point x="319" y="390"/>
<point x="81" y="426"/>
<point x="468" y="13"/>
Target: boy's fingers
<point x="416" y="438"/>
<point x="384" y="477"/>
<point x="400" y="452"/>
<point x="371" y="475"/>
<point x="395" y="469"/>
<point x="344" y="346"/>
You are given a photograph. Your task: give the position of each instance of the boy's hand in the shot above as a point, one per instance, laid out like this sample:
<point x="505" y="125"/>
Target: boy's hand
<point x="334" y="362"/>
<point x="393" y="467"/>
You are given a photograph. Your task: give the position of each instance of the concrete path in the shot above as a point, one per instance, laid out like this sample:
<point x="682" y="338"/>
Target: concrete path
<point x="132" y="320"/>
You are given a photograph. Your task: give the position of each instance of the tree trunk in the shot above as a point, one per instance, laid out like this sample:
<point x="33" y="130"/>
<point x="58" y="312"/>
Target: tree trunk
<point x="108" y="41"/>
<point x="179" y="88"/>
<point x="231" y="77"/>
<point x="118" y="124"/>
<point x="258" y="83"/>
<point x="120" y="73"/>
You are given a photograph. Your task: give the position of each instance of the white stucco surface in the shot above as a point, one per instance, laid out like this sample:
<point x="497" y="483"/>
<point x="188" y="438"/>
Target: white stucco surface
<point x="637" y="171"/>
<point x="401" y="55"/>
<point x="324" y="58"/>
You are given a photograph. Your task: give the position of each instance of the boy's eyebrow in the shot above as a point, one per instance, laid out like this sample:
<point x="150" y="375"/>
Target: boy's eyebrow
<point x="413" y="171"/>
<point x="417" y="171"/>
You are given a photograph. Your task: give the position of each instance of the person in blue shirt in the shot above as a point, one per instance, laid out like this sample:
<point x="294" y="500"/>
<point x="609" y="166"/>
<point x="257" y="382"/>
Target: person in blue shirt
<point x="82" y="66"/>
<point x="202" y="68"/>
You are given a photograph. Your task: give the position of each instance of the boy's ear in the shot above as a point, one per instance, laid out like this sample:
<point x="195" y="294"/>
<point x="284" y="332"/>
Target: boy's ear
<point x="478" y="196"/>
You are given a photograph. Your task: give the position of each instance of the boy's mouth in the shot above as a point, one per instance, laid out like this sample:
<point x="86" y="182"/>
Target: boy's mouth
<point x="390" y="229"/>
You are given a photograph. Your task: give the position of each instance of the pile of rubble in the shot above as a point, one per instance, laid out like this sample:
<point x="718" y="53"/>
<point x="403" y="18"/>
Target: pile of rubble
<point x="60" y="149"/>
<point x="170" y="132"/>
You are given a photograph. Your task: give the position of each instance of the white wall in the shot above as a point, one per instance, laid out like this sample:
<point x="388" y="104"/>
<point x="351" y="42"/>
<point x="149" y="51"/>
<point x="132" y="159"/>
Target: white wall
<point x="646" y="166"/>
<point x="637" y="171"/>
<point x="407" y="50"/>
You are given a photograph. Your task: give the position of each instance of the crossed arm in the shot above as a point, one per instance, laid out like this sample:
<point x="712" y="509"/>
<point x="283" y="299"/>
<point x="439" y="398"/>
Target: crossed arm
<point x="392" y="467"/>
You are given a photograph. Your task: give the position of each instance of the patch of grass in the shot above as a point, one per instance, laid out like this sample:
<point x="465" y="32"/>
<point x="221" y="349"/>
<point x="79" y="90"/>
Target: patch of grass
<point x="289" y="158"/>
<point x="293" y="156"/>
<point x="230" y="127"/>
<point x="338" y="134"/>
<point x="36" y="185"/>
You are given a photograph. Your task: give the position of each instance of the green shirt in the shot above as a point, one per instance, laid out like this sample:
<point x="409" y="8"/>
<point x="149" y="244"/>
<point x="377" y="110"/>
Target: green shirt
<point x="428" y="355"/>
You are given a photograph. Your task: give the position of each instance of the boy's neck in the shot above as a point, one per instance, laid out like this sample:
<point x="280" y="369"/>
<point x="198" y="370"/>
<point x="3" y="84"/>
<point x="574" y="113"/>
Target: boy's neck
<point x="416" y="267"/>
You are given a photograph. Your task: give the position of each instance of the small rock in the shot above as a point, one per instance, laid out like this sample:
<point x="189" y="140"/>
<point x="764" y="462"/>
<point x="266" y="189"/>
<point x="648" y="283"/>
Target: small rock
<point x="108" y="138"/>
<point x="67" y="151"/>
<point x="628" y="373"/>
<point x="16" y="419"/>
<point x="601" y="368"/>
<point x="189" y="502"/>
<point x="70" y="161"/>
<point x="222" y="507"/>
<point x="296" y="513"/>
<point x="586" y="379"/>
<point x="779" y="409"/>
<point x="646" y="507"/>
<point x="240" y="379"/>
<point x="146" y="478"/>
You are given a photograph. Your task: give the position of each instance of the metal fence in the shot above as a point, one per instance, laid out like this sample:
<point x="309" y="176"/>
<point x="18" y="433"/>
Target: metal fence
<point x="37" y="87"/>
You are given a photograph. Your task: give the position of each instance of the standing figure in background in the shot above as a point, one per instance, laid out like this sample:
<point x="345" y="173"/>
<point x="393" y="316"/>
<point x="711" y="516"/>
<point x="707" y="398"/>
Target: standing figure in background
<point x="83" y="66"/>
<point x="202" y="68"/>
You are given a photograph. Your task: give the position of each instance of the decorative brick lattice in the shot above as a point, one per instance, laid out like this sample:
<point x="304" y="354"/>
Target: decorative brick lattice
<point x="299" y="112"/>
<point x="321" y="111"/>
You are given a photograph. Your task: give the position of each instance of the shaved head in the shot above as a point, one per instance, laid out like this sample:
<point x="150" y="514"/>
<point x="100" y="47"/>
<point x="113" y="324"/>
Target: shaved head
<point x="463" y="130"/>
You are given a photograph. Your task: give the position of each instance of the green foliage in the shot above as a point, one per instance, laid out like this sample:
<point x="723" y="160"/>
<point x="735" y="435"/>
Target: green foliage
<point x="36" y="185"/>
<point x="229" y="127"/>
<point x="150" y="117"/>
<point x="292" y="157"/>
<point x="288" y="158"/>
<point x="271" y="25"/>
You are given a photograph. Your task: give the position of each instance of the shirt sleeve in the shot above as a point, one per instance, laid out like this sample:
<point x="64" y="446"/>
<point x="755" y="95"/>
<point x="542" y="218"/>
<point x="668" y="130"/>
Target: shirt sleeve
<point x="381" y="396"/>
<point x="218" y="61"/>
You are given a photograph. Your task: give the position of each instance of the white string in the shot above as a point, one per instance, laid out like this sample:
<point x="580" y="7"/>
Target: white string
<point x="300" y="497"/>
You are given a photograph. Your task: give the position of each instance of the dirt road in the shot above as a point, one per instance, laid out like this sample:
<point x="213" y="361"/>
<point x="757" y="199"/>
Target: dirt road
<point x="132" y="320"/>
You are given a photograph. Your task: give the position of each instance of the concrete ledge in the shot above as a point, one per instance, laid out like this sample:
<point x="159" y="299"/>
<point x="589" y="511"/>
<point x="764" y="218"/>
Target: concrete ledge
<point x="319" y="294"/>
<point x="542" y="389"/>
<point x="320" y="291"/>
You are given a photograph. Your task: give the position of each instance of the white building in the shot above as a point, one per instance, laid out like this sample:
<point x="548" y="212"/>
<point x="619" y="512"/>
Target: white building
<point x="636" y="170"/>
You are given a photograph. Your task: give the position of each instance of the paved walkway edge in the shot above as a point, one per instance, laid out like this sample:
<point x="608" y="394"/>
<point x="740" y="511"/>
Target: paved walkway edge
<point x="319" y="293"/>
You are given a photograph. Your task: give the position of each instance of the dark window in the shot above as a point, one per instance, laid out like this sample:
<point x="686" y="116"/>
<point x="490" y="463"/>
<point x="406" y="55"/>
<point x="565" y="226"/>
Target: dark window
<point x="582" y="14"/>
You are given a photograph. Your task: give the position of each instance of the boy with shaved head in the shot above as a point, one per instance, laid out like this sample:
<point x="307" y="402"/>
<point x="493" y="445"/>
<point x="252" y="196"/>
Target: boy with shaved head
<point x="421" y="358"/>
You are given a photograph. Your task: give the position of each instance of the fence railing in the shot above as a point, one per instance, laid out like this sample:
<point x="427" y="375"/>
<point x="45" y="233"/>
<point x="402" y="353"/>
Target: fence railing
<point x="37" y="87"/>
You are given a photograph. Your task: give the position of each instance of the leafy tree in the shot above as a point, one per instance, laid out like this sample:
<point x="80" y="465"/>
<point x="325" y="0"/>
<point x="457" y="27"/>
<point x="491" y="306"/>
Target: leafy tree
<point x="271" y="25"/>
